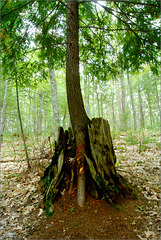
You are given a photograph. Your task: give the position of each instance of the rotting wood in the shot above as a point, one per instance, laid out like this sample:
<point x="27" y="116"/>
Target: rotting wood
<point x="102" y="179"/>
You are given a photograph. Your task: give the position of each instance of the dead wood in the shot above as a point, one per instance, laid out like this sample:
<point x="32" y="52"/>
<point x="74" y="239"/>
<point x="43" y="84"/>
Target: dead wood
<point x="102" y="179"/>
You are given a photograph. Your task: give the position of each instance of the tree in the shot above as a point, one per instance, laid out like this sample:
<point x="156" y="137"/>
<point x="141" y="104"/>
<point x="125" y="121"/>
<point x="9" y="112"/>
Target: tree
<point x="22" y="132"/>
<point x="93" y="139"/>
<point x="2" y="120"/>
<point x="78" y="116"/>
<point x="132" y="101"/>
<point x="95" y="157"/>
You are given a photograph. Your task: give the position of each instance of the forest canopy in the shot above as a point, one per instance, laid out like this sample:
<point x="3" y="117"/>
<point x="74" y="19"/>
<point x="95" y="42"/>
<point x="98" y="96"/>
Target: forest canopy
<point x="116" y="38"/>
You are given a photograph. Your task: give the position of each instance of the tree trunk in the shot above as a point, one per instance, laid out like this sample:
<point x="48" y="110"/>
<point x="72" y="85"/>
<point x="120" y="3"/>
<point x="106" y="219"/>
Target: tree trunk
<point x="34" y="114"/>
<point x="39" y="123"/>
<point x="102" y="115"/>
<point x="113" y="110"/>
<point x="119" y="105"/>
<point x="150" y="109"/>
<point x="93" y="102"/>
<point x="91" y="141"/>
<point x="86" y="94"/>
<point x="158" y="102"/>
<point x="132" y="101"/>
<point x="54" y="95"/>
<point x="97" y="96"/>
<point x="141" y="108"/>
<point x="23" y="136"/>
<point x="77" y="112"/>
<point x="3" y="109"/>
<point x="123" y="101"/>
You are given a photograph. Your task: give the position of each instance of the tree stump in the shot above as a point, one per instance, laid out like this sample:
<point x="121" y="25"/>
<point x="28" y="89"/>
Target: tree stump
<point x="102" y="180"/>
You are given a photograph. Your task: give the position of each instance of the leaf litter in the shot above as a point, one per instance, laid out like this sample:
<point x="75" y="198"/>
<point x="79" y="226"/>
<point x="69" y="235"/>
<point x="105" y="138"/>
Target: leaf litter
<point x="22" y="203"/>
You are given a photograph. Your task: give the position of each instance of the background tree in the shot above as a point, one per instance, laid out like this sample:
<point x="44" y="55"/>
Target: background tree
<point x="133" y="23"/>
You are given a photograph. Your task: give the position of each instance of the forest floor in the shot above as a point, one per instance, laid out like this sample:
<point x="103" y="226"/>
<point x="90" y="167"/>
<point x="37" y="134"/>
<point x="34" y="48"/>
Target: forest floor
<point x="22" y="215"/>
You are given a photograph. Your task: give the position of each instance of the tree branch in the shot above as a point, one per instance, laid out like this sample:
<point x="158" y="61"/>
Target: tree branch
<point x="17" y="8"/>
<point x="123" y="1"/>
<point x="4" y="5"/>
<point x="110" y="11"/>
<point x="119" y="29"/>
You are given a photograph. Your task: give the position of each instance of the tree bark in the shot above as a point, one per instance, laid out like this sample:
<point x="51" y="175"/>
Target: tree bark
<point x="78" y="116"/>
<point x="132" y="101"/>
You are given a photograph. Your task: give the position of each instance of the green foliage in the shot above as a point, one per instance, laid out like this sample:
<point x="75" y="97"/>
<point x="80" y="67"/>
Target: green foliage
<point x="141" y="208"/>
<point x="33" y="37"/>
<point x="131" y="139"/>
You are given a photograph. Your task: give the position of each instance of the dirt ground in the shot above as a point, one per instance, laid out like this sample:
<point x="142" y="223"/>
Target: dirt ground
<point x="98" y="220"/>
<point x="23" y="217"/>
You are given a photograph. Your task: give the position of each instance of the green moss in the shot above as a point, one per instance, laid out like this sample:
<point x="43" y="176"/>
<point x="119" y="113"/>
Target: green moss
<point x="134" y="194"/>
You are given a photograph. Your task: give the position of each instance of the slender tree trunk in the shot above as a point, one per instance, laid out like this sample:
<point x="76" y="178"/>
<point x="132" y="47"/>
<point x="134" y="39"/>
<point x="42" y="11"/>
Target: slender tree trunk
<point x="150" y="109"/>
<point x="86" y="94"/>
<point x="119" y="105"/>
<point x="23" y="136"/>
<point x="141" y="108"/>
<point x="34" y="113"/>
<point x="132" y="101"/>
<point x="123" y="94"/>
<point x="39" y="123"/>
<point x="123" y="100"/>
<point x="3" y="109"/>
<point x="29" y="118"/>
<point x="93" y="100"/>
<point x="113" y="111"/>
<point x="97" y="96"/>
<point x="102" y="115"/>
<point x="77" y="112"/>
<point x="158" y="102"/>
<point x="54" y="95"/>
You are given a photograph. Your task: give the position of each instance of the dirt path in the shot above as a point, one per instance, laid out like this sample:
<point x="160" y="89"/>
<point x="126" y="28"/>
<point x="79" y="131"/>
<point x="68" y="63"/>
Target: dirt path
<point x="22" y="215"/>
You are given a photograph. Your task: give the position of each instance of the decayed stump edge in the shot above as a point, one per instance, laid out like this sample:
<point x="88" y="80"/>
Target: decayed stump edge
<point x="110" y="183"/>
<point x="54" y="173"/>
<point x="103" y="171"/>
